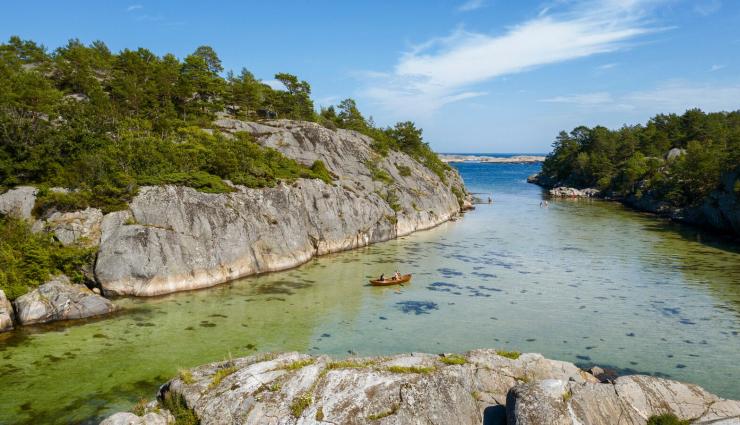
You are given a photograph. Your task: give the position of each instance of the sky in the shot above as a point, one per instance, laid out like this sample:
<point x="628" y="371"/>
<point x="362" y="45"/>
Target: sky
<point x="476" y="75"/>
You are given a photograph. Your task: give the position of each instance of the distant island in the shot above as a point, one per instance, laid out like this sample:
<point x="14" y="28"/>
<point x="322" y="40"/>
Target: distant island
<point x="517" y="159"/>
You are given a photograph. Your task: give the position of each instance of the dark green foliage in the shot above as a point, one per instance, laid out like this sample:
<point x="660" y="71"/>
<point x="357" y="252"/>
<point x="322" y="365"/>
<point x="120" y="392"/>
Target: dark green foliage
<point x="667" y="419"/>
<point x="632" y="161"/>
<point x="29" y="259"/>
<point x="176" y="404"/>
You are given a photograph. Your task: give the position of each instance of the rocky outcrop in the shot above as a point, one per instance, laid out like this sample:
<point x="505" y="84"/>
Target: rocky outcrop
<point x="162" y="417"/>
<point x="77" y="227"/>
<point x="176" y="238"/>
<point x="631" y="399"/>
<point x="479" y="387"/>
<point x="18" y="202"/>
<point x="58" y="299"/>
<point x="6" y="313"/>
<point x="570" y="192"/>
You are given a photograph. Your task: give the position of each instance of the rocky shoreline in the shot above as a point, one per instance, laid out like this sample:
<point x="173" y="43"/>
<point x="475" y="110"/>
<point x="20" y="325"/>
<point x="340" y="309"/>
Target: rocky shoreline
<point x="173" y="238"/>
<point x="481" y="386"/>
<point x="720" y="213"/>
<point x="518" y="159"/>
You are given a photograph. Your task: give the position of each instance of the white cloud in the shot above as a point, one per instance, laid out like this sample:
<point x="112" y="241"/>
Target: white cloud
<point x="716" y="68"/>
<point x="585" y="99"/>
<point x="275" y="84"/>
<point x="607" y="66"/>
<point x="471" y="5"/>
<point x="707" y="7"/>
<point x="445" y="70"/>
<point x="134" y="7"/>
<point x="672" y="96"/>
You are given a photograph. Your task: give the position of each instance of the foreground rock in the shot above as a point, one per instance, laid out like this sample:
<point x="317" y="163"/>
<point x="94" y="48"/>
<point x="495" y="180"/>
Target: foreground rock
<point x="58" y="299"/>
<point x="479" y="387"/>
<point x="76" y="228"/>
<point x="18" y="202"/>
<point x="176" y="238"/>
<point x="6" y="313"/>
<point x="150" y="418"/>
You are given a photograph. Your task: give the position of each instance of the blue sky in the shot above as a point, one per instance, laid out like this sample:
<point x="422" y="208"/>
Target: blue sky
<point x="477" y="75"/>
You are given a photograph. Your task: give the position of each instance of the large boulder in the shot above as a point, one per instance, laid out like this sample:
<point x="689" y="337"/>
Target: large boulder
<point x="6" y="313"/>
<point x="58" y="299"/>
<point x="18" y="202"/>
<point x="77" y="227"/>
<point x="570" y="192"/>
<point x="175" y="238"/>
<point x="632" y="399"/>
<point x="151" y="418"/>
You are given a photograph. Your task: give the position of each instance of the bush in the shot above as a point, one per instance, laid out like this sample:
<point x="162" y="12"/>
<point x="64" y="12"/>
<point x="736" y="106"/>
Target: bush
<point x="667" y="419"/>
<point x="29" y="259"/>
<point x="176" y="404"/>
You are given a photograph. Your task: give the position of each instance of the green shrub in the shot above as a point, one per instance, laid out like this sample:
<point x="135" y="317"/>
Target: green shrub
<point x="176" y="404"/>
<point x="453" y="359"/>
<point x="299" y="364"/>
<point x="300" y="403"/>
<point x="29" y="259"/>
<point x="411" y="369"/>
<point x="509" y="354"/>
<point x="667" y="419"/>
<point x="403" y="170"/>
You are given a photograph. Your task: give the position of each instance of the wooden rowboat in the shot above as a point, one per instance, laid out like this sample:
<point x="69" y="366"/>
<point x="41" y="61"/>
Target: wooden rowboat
<point x="387" y="282"/>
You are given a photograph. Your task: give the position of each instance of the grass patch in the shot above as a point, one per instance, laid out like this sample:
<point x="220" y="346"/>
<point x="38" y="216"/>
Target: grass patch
<point x="275" y="386"/>
<point x="29" y="259"/>
<point x="411" y="369"/>
<point x="453" y="359"/>
<point x="350" y="364"/>
<point x="220" y="375"/>
<point x="567" y="395"/>
<point x="186" y="377"/>
<point x="299" y="364"/>
<point x="667" y="419"/>
<point x="300" y="404"/>
<point x="378" y="174"/>
<point x="139" y="408"/>
<point x="403" y="170"/>
<point x="384" y="414"/>
<point x="509" y="354"/>
<point x="176" y="404"/>
<point x="320" y="414"/>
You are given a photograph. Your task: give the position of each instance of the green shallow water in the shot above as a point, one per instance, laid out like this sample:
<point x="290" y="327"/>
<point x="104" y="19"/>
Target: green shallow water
<point x="587" y="281"/>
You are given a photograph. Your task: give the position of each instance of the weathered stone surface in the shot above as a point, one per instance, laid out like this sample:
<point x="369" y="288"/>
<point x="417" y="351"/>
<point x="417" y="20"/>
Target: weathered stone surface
<point x="417" y="388"/>
<point x="6" y="313"/>
<point x="151" y="418"/>
<point x="570" y="192"/>
<point x="58" y="299"/>
<point x="18" y="202"/>
<point x="630" y="400"/>
<point x="674" y="153"/>
<point x="175" y="238"/>
<point x="77" y="227"/>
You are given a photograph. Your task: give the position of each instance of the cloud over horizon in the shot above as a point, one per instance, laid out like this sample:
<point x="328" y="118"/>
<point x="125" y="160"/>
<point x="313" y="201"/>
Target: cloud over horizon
<point x="447" y="69"/>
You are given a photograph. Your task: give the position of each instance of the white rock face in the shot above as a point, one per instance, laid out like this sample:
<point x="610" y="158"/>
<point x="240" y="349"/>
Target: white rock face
<point x="151" y="418"/>
<point x="6" y="313"/>
<point x="295" y="388"/>
<point x="570" y="192"/>
<point x="77" y="227"/>
<point x="18" y="202"/>
<point x="58" y="299"/>
<point x="176" y="238"/>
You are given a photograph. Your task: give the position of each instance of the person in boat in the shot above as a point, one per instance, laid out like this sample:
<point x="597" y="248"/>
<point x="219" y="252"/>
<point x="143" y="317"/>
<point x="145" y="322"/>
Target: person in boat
<point x="382" y="277"/>
<point x="396" y="275"/>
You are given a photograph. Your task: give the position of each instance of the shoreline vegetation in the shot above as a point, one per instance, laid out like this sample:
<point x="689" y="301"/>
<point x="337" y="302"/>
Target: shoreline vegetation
<point x="684" y="167"/>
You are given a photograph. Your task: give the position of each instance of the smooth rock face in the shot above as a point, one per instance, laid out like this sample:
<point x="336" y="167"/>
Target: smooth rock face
<point x="18" y="202"/>
<point x="176" y="238"/>
<point x="58" y="299"/>
<point x="78" y="227"/>
<point x="6" y="313"/>
<point x="486" y="388"/>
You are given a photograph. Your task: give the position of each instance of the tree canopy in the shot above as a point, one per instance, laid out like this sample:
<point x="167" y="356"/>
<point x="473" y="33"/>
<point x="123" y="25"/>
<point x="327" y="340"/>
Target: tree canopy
<point x="634" y="160"/>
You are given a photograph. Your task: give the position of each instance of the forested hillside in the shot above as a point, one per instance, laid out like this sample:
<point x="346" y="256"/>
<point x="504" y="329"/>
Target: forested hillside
<point x="104" y="123"/>
<point x="675" y="159"/>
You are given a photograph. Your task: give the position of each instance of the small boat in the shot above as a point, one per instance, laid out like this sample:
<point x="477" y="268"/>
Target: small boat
<point x="387" y="282"/>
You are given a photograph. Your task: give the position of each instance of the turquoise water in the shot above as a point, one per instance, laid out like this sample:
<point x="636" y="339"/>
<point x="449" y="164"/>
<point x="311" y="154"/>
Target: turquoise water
<point x="583" y="281"/>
